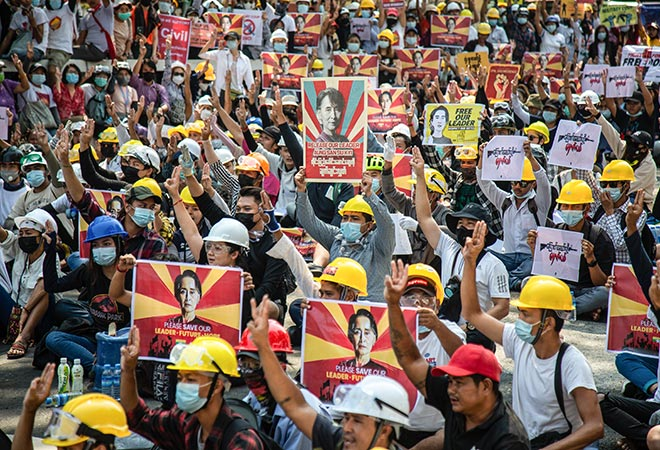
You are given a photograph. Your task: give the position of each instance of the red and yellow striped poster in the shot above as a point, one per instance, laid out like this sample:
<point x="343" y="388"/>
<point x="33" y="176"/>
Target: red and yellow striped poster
<point x="111" y="202"/>
<point x="449" y="31"/>
<point x="345" y="341"/>
<point x="225" y="22"/>
<point x="355" y="65"/>
<point x="628" y="328"/>
<point x="386" y="109"/>
<point x="549" y="63"/>
<point x="419" y="62"/>
<point x="308" y="29"/>
<point x="402" y="173"/>
<point x="175" y="302"/>
<point x="285" y="70"/>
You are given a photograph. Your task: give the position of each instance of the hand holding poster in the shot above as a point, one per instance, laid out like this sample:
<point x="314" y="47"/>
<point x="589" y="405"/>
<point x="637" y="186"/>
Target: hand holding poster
<point x="286" y="70"/>
<point x="618" y="14"/>
<point x="345" y="341"/>
<point x="498" y="83"/>
<point x="449" y="31"/>
<point x="503" y="53"/>
<point x="175" y="302"/>
<point x="628" y="328"/>
<point x="472" y="61"/>
<point x="178" y="29"/>
<point x="451" y="124"/>
<point x="557" y="253"/>
<point x="420" y="62"/>
<point x="308" y="29"/>
<point x="503" y="158"/>
<point x="335" y="133"/>
<point x="592" y="78"/>
<point x="355" y="65"/>
<point x="620" y="82"/>
<point x="575" y="146"/>
<point x="386" y="109"/>
<point x="111" y="202"/>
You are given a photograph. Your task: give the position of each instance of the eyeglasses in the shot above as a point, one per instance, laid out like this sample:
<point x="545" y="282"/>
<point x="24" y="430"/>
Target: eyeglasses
<point x="247" y="364"/>
<point x="189" y="355"/>
<point x="417" y="299"/>
<point x="607" y="184"/>
<point x="522" y="184"/>
<point x="216" y="247"/>
<point x="534" y="138"/>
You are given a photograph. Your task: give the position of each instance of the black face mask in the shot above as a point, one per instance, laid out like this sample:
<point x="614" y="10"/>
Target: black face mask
<point x="145" y="3"/>
<point x="130" y="174"/>
<point x="246" y="219"/>
<point x="392" y="22"/>
<point x="245" y="180"/>
<point x="29" y="243"/>
<point x="148" y="76"/>
<point x="469" y="174"/>
<point x="108" y="150"/>
<point x="462" y="234"/>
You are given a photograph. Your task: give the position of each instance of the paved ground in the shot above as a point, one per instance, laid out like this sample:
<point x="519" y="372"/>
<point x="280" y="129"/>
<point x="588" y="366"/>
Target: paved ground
<point x="15" y="376"/>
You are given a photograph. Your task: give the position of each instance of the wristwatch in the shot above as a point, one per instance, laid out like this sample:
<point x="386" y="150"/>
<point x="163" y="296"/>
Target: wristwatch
<point x="594" y="263"/>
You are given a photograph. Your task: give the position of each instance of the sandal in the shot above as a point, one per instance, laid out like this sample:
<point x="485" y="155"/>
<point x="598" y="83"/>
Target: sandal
<point x="625" y="444"/>
<point x="17" y="350"/>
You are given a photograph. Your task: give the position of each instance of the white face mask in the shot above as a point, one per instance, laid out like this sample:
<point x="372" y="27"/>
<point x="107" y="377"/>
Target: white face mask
<point x="205" y="114"/>
<point x="178" y="79"/>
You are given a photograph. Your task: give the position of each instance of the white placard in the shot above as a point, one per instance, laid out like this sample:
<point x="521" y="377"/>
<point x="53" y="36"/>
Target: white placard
<point x="592" y="78"/>
<point x="252" y="27"/>
<point x="620" y="82"/>
<point x="4" y="123"/>
<point x="503" y="158"/>
<point x="557" y="253"/>
<point x="402" y="242"/>
<point x="361" y="27"/>
<point x="575" y="146"/>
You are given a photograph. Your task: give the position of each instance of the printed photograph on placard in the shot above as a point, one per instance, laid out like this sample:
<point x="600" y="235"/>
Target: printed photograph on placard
<point x="420" y="62"/>
<point x="347" y="64"/>
<point x="549" y="63"/>
<point x="176" y="302"/>
<point x="111" y="202"/>
<point x="284" y="69"/>
<point x="201" y="32"/>
<point x="335" y="132"/>
<point x="386" y="109"/>
<point x="308" y="29"/>
<point x="225" y="22"/>
<point x="451" y="124"/>
<point x="449" y="31"/>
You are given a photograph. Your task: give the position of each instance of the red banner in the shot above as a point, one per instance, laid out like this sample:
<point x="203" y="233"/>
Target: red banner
<point x="419" y="62"/>
<point x="402" y="173"/>
<point x="498" y="83"/>
<point x="308" y="29"/>
<point x="179" y="29"/>
<point x="355" y="65"/>
<point x="112" y="202"/>
<point x="286" y="70"/>
<point x="449" y="31"/>
<point x="386" y="109"/>
<point x="175" y="303"/>
<point x="200" y="33"/>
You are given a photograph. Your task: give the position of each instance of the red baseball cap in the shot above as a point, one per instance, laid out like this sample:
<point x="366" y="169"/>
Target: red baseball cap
<point x="392" y="12"/>
<point x="471" y="359"/>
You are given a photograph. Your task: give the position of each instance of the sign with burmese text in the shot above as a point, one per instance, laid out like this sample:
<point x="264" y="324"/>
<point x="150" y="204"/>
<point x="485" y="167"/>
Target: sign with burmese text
<point x="620" y="82"/>
<point x="557" y="253"/>
<point x="575" y="145"/>
<point x="504" y="157"/>
<point x="592" y="78"/>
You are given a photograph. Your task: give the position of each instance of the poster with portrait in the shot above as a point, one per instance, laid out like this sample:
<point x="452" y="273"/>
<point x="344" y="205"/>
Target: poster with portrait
<point x="252" y="33"/>
<point x="386" y="109"/>
<point x="284" y="69"/>
<point x="620" y="82"/>
<point x="356" y="65"/>
<point x="225" y="22"/>
<point x="179" y="29"/>
<point x="549" y="63"/>
<point x="308" y="29"/>
<point x="629" y="329"/>
<point x="109" y="201"/>
<point x="557" y="253"/>
<point x="335" y="132"/>
<point x="618" y="14"/>
<point x="499" y="80"/>
<point x="472" y="61"/>
<point x="503" y="53"/>
<point x="575" y="145"/>
<point x="201" y="32"/>
<point x="345" y="341"/>
<point x="450" y="31"/>
<point x="592" y="78"/>
<point x="451" y="124"/>
<point x="176" y="302"/>
<point x="503" y="158"/>
<point x="419" y="62"/>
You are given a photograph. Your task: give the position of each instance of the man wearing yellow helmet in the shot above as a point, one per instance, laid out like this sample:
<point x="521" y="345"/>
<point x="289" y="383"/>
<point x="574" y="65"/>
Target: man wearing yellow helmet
<point x="567" y="416"/>
<point x="109" y="147"/>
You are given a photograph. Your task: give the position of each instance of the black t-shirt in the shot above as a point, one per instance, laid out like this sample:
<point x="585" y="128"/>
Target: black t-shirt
<point x="502" y="430"/>
<point x="628" y="125"/>
<point x="326" y="435"/>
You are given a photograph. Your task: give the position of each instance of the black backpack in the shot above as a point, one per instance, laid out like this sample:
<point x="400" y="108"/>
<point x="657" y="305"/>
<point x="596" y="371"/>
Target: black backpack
<point x="648" y="239"/>
<point x="233" y="425"/>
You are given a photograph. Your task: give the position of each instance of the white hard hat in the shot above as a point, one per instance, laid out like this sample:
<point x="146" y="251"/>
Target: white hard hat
<point x="224" y="155"/>
<point x="146" y="155"/>
<point x="376" y="396"/>
<point x="36" y="220"/>
<point x="589" y="94"/>
<point x="76" y="170"/>
<point x="400" y="129"/>
<point x="193" y="147"/>
<point x="230" y="231"/>
<point x="278" y="34"/>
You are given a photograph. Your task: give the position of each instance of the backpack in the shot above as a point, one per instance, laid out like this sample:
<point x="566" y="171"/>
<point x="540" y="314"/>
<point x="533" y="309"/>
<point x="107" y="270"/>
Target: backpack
<point x="531" y="205"/>
<point x="96" y="109"/>
<point x="648" y="239"/>
<point x="233" y="425"/>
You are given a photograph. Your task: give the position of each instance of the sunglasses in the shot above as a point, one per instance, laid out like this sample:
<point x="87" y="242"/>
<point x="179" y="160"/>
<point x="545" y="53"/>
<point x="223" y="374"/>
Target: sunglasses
<point x="522" y="184"/>
<point x="608" y="184"/>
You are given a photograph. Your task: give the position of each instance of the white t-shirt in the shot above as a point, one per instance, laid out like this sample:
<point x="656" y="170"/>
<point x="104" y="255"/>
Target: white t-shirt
<point x="492" y="276"/>
<point x="105" y="16"/>
<point x="424" y="417"/>
<point x="34" y="93"/>
<point x="241" y="69"/>
<point x="289" y="24"/>
<point x="551" y="43"/>
<point x="21" y="24"/>
<point x="7" y="200"/>
<point x="62" y="26"/>
<point x="534" y="399"/>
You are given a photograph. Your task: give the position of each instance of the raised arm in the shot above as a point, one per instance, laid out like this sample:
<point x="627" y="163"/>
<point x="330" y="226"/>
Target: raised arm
<point x="117" y="291"/>
<point x="186" y="223"/>
<point x="424" y="217"/>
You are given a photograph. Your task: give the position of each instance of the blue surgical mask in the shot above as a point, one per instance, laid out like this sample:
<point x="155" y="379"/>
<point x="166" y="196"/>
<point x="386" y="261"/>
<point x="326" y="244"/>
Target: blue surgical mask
<point x="279" y="47"/>
<point x="383" y="44"/>
<point x="524" y="332"/>
<point x="637" y="114"/>
<point x="104" y="256"/>
<point x="571" y="218"/>
<point x="318" y="73"/>
<point x="411" y="24"/>
<point x="492" y="22"/>
<point x="353" y="47"/>
<point x="522" y="20"/>
<point x="602" y="36"/>
<point x="72" y="78"/>
<point x="38" y="79"/>
<point x="615" y="193"/>
<point x="350" y="231"/>
<point x="549" y="116"/>
<point x="411" y="40"/>
<point x="567" y="111"/>
<point x="606" y="113"/>
<point x="55" y="4"/>
<point x="100" y="81"/>
<point x="351" y="14"/>
<point x="36" y="178"/>
<point x="551" y="28"/>
<point x="303" y="8"/>
<point x="527" y="194"/>
<point x="143" y="217"/>
<point x="232" y="45"/>
<point x="366" y="14"/>
<point x="36" y="3"/>
<point x="375" y="185"/>
<point x="187" y="397"/>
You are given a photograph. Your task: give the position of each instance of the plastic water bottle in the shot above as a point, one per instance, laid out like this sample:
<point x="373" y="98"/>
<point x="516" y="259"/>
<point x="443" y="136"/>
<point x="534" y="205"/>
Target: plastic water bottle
<point x="58" y="400"/>
<point x="106" y="380"/>
<point x="63" y="377"/>
<point x="116" y="380"/>
<point x="77" y="372"/>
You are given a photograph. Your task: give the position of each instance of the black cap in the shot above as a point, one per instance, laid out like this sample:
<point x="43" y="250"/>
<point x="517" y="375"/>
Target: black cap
<point x="232" y="35"/>
<point x="11" y="155"/>
<point x="641" y="137"/>
<point x="553" y="103"/>
<point x="636" y="97"/>
<point x="272" y="132"/>
<point x="472" y="211"/>
<point x="36" y="66"/>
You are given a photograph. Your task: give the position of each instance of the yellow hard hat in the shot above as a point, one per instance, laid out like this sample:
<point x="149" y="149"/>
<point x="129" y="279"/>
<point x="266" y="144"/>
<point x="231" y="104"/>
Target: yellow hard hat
<point x="126" y="147"/>
<point x="484" y="28"/>
<point x="367" y="4"/>
<point x="545" y="292"/>
<point x="187" y="197"/>
<point x="209" y="75"/>
<point x="150" y="184"/>
<point x="540" y="128"/>
<point x="501" y="3"/>
<point x="493" y="13"/>
<point x="575" y="192"/>
<point x="532" y="6"/>
<point x="317" y="64"/>
<point x="435" y="181"/>
<point x="427" y="273"/>
<point x="74" y="154"/>
<point x="528" y="172"/>
<point x="387" y="34"/>
<point x="108" y="135"/>
<point x="177" y="129"/>
<point x="99" y="412"/>
<point x="346" y="272"/>
<point x="465" y="13"/>
<point x="195" y="126"/>
<point x="465" y="153"/>
<point x="440" y="6"/>
<point x="205" y="354"/>
<point x="618" y="170"/>
<point x="356" y="204"/>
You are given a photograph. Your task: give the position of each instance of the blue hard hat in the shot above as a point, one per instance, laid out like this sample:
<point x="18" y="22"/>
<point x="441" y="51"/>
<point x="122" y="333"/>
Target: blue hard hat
<point x="105" y="226"/>
<point x="256" y="120"/>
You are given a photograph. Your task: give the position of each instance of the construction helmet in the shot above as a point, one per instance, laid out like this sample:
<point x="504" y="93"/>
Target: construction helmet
<point x="575" y="192"/>
<point x="37" y="219"/>
<point x="346" y="272"/>
<point x="484" y="28"/>
<point x="375" y="396"/>
<point x="423" y="272"/>
<point x="278" y="338"/>
<point x="465" y="13"/>
<point x="150" y="184"/>
<point x="252" y="163"/>
<point x="501" y="120"/>
<point x="95" y="416"/>
<point x="146" y="155"/>
<point x="317" y="64"/>
<point x="367" y="4"/>
<point x="493" y="13"/>
<point x="375" y="162"/>
<point x="465" y="153"/>
<point x="187" y="197"/>
<point x="125" y="148"/>
<point x="387" y="34"/>
<point x="435" y="181"/>
<point x="105" y="226"/>
<point x="192" y="146"/>
<point x="109" y="135"/>
<point x="230" y="231"/>
<point x="541" y="128"/>
<point x="195" y="127"/>
<point x="528" y="172"/>
<point x="33" y="158"/>
<point x="205" y="354"/>
<point x="177" y="129"/>
<point x="545" y="292"/>
<point x="618" y="170"/>
<point x="209" y="75"/>
<point x="356" y="204"/>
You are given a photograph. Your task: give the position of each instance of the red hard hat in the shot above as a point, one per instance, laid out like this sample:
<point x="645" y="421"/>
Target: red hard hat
<point x="277" y="337"/>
